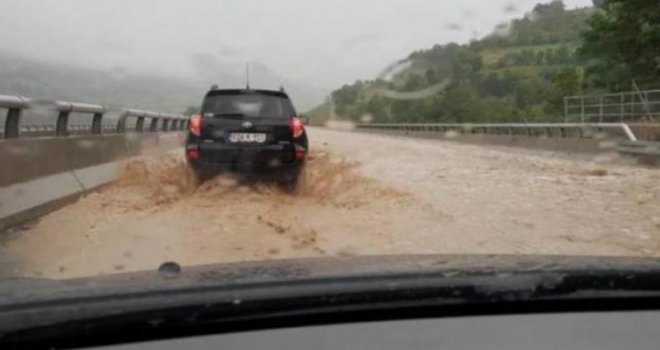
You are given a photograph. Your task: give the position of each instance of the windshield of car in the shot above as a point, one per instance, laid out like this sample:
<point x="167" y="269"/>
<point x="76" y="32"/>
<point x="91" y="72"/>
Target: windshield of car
<point x="475" y="128"/>
<point x="247" y="105"/>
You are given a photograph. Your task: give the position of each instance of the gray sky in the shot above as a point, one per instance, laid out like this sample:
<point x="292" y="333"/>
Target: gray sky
<point x="321" y="43"/>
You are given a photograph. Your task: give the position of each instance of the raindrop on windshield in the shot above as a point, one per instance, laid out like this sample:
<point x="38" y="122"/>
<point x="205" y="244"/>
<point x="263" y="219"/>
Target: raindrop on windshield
<point x="169" y="269"/>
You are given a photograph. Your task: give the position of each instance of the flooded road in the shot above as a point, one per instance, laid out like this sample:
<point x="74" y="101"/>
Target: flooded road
<point x="361" y="194"/>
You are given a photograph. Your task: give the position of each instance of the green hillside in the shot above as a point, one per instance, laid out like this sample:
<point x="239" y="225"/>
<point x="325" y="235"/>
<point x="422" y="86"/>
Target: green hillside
<point x="320" y="114"/>
<point x="519" y="73"/>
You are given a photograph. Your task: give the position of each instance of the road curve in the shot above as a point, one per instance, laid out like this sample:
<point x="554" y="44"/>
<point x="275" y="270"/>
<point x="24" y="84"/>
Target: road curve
<point x="361" y="194"/>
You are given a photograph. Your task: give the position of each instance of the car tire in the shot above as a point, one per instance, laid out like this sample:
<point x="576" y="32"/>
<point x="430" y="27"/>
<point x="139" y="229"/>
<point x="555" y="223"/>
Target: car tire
<point x="289" y="181"/>
<point x="200" y="175"/>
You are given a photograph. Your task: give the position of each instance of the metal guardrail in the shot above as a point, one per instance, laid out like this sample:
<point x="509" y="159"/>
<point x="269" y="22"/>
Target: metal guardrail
<point x="15" y="106"/>
<point x="563" y="130"/>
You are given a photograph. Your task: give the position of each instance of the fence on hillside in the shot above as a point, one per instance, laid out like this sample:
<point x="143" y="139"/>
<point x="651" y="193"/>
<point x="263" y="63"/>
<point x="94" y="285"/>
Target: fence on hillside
<point x="622" y="107"/>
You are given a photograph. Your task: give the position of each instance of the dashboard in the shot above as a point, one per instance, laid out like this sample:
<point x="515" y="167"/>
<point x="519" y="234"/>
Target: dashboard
<point x="639" y="330"/>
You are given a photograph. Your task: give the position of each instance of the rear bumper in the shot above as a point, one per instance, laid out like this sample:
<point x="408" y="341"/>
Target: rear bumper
<point x="263" y="158"/>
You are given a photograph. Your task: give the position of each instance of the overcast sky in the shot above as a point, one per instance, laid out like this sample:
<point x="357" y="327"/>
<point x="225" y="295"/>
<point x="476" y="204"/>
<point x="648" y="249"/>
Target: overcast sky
<point x="322" y="43"/>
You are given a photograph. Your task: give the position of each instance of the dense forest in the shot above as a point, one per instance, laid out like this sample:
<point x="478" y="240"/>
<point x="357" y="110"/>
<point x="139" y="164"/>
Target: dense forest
<point x="519" y="73"/>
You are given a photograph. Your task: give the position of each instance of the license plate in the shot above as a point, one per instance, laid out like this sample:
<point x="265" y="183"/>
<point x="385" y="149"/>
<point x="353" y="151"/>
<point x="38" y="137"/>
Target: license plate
<point x="242" y="137"/>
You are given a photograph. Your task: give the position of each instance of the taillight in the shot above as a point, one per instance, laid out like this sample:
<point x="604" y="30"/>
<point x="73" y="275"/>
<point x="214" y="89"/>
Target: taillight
<point x="300" y="152"/>
<point x="193" y="154"/>
<point x="297" y="128"/>
<point x="196" y="125"/>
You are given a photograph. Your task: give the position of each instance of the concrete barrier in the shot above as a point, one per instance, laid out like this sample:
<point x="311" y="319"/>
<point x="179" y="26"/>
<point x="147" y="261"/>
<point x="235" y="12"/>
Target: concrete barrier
<point x="28" y="200"/>
<point x="41" y="174"/>
<point x="542" y="143"/>
<point x="647" y="152"/>
<point x="26" y="159"/>
<point x="575" y="140"/>
<point x="86" y="151"/>
<point x="647" y="132"/>
<point x="564" y="138"/>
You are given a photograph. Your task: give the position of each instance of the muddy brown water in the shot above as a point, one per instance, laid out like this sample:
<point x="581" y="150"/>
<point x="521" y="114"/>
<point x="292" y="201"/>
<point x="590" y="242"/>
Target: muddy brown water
<point x="359" y="195"/>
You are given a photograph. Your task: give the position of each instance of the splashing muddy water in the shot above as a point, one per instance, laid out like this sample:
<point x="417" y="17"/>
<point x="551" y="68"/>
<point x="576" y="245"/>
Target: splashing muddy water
<point x="324" y="180"/>
<point x="155" y="212"/>
<point x="395" y="196"/>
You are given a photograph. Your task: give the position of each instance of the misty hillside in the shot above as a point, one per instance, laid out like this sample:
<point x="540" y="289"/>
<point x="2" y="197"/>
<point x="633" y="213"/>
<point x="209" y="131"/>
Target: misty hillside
<point x="519" y="73"/>
<point x="21" y="76"/>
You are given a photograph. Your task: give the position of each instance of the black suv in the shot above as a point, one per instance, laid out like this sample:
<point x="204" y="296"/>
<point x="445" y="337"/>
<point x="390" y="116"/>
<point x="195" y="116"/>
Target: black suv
<point x="247" y="131"/>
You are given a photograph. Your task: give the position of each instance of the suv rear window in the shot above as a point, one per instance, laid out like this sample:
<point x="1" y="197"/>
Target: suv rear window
<point x="246" y="105"/>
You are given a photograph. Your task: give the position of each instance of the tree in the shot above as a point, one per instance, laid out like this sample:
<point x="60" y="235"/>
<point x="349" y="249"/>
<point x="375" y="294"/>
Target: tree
<point x="496" y="85"/>
<point x="567" y="82"/>
<point x="549" y="54"/>
<point x="540" y="57"/>
<point x="347" y="94"/>
<point x="553" y="9"/>
<point x="622" y="43"/>
<point x="531" y="92"/>
<point x="562" y="55"/>
<point x="431" y="77"/>
<point x="466" y="63"/>
<point x="415" y="82"/>
<point x="462" y="104"/>
<point x="526" y="57"/>
<point x="377" y="108"/>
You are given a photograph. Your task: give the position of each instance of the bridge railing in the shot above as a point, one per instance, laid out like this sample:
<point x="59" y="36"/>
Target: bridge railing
<point x="563" y="130"/>
<point x="15" y="106"/>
